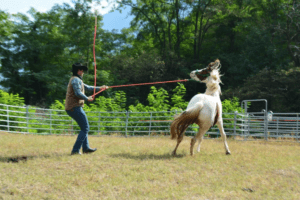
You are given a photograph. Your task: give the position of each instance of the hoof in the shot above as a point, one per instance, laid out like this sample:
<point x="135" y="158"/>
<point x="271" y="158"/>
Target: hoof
<point x="228" y="153"/>
<point x="173" y="153"/>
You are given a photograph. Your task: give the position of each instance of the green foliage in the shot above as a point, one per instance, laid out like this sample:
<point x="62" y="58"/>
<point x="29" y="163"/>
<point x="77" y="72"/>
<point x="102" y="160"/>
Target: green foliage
<point x="109" y="114"/>
<point x="11" y="99"/>
<point x="9" y="112"/>
<point x="166" y="40"/>
<point x="6" y="26"/>
<point x="57" y="105"/>
<point x="177" y="98"/>
<point x="140" y="67"/>
<point x="158" y="99"/>
<point x="277" y="86"/>
<point x="119" y="101"/>
<point x="231" y="105"/>
<point x="37" y="57"/>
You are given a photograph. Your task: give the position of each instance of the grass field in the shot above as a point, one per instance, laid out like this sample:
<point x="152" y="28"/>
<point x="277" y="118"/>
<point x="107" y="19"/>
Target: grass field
<point x="143" y="168"/>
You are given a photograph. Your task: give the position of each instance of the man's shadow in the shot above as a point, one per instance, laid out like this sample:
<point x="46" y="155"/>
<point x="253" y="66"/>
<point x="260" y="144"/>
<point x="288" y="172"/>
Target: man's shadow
<point x="25" y="158"/>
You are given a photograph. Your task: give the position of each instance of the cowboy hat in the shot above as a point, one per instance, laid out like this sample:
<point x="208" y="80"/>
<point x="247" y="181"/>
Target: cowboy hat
<point x="77" y="66"/>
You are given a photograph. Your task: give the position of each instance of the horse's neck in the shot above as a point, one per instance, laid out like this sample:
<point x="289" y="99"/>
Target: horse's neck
<point x="215" y="92"/>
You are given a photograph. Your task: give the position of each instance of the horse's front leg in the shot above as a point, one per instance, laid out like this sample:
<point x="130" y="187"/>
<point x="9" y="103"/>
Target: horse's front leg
<point x="193" y="141"/>
<point x="223" y="135"/>
<point x="199" y="143"/>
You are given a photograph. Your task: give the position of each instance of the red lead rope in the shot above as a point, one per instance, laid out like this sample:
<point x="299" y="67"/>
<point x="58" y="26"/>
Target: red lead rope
<point x="137" y="84"/>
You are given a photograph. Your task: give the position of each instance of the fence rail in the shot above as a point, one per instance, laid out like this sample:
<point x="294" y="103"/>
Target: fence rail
<point x="34" y="120"/>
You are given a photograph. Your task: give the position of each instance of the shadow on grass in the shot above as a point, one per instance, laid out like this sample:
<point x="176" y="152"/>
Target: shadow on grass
<point x="24" y="158"/>
<point x="147" y="156"/>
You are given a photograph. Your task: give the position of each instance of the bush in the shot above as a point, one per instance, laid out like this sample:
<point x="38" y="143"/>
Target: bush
<point x="102" y="113"/>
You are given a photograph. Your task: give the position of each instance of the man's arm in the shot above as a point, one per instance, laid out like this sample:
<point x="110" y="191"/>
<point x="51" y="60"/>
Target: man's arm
<point x="91" y="88"/>
<point x="76" y="84"/>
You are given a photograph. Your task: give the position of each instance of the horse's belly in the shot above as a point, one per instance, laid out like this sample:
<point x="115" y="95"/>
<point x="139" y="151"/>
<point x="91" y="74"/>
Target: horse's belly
<point x="206" y="116"/>
<point x="206" y="99"/>
<point x="197" y="98"/>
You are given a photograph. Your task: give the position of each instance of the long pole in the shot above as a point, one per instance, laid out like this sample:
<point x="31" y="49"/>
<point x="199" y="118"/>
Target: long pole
<point x="95" y="65"/>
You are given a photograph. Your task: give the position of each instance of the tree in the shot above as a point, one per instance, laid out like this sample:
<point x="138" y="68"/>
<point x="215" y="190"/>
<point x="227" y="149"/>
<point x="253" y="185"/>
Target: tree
<point x="277" y="86"/>
<point x="288" y="30"/>
<point x="37" y="59"/>
<point x="143" y="68"/>
<point x="160" y="20"/>
<point x="6" y="27"/>
<point x="32" y="56"/>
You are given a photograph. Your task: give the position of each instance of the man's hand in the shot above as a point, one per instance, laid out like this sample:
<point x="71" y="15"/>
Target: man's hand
<point x="104" y="87"/>
<point x="90" y="98"/>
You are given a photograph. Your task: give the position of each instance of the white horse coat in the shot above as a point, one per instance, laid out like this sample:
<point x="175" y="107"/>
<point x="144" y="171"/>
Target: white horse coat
<point x="203" y="109"/>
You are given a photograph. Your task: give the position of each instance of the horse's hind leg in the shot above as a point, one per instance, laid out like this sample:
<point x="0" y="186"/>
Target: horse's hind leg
<point x="223" y="135"/>
<point x="179" y="139"/>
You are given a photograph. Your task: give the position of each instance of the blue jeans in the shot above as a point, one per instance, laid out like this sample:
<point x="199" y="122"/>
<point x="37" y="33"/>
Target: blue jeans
<point x="78" y="114"/>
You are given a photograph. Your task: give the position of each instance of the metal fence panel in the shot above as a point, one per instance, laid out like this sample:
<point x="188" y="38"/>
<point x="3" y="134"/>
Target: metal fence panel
<point x="33" y="120"/>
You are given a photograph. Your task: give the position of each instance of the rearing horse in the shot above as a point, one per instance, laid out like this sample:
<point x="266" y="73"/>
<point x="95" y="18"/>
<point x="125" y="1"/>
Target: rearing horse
<point x="203" y="109"/>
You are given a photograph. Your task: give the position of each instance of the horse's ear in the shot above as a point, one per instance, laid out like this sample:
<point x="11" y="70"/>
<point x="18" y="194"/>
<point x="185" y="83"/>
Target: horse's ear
<point x="216" y="64"/>
<point x="213" y="65"/>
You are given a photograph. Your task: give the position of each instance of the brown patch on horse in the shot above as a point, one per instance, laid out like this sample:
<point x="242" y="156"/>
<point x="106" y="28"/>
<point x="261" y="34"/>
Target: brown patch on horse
<point x="206" y="72"/>
<point x="181" y="123"/>
<point x="216" y="118"/>
<point x="203" y="74"/>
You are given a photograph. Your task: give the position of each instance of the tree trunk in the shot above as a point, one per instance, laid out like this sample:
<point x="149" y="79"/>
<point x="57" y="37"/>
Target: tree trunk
<point x="195" y="33"/>
<point x="177" y="45"/>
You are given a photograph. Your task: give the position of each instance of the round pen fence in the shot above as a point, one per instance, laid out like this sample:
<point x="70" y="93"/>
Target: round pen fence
<point x="245" y="126"/>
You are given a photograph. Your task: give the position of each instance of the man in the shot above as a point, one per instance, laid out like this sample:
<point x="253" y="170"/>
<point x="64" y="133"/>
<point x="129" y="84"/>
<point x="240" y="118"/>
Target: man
<point x="75" y="98"/>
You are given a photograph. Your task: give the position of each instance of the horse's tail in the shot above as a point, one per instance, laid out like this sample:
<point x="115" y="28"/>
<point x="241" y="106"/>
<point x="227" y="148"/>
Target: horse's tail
<point x="181" y="122"/>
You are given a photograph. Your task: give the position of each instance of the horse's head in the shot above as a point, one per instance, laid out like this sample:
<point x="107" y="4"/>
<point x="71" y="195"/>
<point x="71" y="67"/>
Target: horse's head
<point x="210" y="74"/>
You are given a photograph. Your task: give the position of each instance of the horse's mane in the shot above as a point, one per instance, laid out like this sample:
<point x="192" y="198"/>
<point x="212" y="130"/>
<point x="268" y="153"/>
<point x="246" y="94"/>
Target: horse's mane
<point x="216" y="72"/>
<point x="217" y="63"/>
<point x="213" y="89"/>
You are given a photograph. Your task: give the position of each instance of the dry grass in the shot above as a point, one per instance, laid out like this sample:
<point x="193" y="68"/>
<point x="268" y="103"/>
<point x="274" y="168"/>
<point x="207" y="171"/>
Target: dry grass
<point x="143" y="168"/>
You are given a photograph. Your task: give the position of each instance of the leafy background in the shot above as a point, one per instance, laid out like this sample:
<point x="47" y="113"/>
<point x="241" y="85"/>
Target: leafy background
<point x="35" y="120"/>
<point x="257" y="42"/>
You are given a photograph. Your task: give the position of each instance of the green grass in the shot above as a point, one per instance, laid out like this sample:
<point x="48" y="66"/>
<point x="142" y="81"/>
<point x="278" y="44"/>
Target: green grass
<point x="143" y="168"/>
